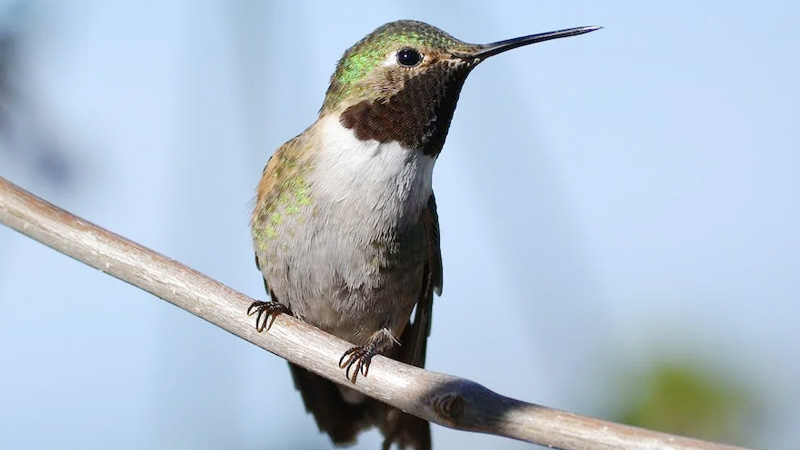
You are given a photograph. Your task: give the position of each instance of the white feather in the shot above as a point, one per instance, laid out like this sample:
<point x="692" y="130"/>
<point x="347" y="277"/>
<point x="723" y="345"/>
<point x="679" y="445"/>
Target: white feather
<point x="368" y="177"/>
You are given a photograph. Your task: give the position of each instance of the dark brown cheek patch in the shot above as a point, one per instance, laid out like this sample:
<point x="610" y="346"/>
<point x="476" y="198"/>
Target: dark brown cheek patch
<point x="418" y="116"/>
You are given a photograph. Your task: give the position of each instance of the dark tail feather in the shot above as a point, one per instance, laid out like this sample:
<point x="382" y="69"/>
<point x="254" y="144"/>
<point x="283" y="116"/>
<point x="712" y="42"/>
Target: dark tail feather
<point x="342" y="420"/>
<point x="405" y="430"/>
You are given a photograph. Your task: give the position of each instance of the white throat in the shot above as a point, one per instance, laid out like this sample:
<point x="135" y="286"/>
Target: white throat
<point x="368" y="177"/>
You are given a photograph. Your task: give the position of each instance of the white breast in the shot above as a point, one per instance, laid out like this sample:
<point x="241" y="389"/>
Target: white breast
<point x="378" y="181"/>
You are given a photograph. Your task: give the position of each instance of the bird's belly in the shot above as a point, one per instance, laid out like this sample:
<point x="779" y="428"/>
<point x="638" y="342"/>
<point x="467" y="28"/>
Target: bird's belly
<point x="346" y="283"/>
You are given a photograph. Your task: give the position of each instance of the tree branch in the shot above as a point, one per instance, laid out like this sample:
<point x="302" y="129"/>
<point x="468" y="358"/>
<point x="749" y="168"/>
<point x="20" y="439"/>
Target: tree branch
<point x="443" y="399"/>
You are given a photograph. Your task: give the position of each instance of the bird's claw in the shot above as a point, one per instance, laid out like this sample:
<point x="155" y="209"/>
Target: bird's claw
<point x="357" y="358"/>
<point x="264" y="311"/>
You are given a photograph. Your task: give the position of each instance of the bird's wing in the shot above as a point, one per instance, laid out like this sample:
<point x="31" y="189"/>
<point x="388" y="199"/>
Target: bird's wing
<point x="415" y="337"/>
<point x="404" y="429"/>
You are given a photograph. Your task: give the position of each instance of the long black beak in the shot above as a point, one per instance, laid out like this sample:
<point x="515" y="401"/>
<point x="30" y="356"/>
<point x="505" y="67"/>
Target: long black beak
<point x="484" y="51"/>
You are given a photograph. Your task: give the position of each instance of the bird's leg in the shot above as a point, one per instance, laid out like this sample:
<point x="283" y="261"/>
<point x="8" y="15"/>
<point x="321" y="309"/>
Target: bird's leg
<point x="265" y="311"/>
<point x="358" y="358"/>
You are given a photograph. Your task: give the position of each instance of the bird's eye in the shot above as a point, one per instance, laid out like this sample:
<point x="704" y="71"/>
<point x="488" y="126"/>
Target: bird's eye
<point x="408" y="57"/>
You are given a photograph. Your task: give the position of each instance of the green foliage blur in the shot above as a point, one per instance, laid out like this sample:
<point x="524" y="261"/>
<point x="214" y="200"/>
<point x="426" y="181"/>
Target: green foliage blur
<point x="689" y="400"/>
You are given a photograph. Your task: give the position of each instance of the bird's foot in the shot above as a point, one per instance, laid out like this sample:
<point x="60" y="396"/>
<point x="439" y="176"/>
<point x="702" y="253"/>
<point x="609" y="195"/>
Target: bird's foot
<point x="265" y="311"/>
<point x="359" y="358"/>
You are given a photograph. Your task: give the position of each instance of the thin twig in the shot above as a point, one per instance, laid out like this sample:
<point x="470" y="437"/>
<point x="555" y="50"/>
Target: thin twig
<point x="443" y="399"/>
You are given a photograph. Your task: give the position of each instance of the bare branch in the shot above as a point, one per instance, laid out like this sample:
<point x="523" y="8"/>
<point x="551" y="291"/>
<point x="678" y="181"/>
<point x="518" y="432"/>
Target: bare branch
<point x="443" y="399"/>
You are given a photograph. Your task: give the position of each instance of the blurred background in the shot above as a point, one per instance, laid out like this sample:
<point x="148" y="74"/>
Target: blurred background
<point x="620" y="214"/>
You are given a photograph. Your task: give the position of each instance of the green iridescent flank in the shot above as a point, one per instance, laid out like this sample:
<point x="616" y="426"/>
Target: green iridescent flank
<point x="293" y="196"/>
<point x="360" y="60"/>
<point x="263" y="234"/>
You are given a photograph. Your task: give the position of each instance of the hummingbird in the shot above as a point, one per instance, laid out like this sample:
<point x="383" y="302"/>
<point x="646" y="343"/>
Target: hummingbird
<point x="345" y="228"/>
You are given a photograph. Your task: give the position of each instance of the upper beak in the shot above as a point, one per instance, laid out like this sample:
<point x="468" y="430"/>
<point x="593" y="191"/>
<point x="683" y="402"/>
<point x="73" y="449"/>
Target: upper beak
<point x="482" y="52"/>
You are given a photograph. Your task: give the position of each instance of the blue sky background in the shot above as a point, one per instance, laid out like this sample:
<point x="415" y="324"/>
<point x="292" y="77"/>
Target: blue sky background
<point x="605" y="201"/>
